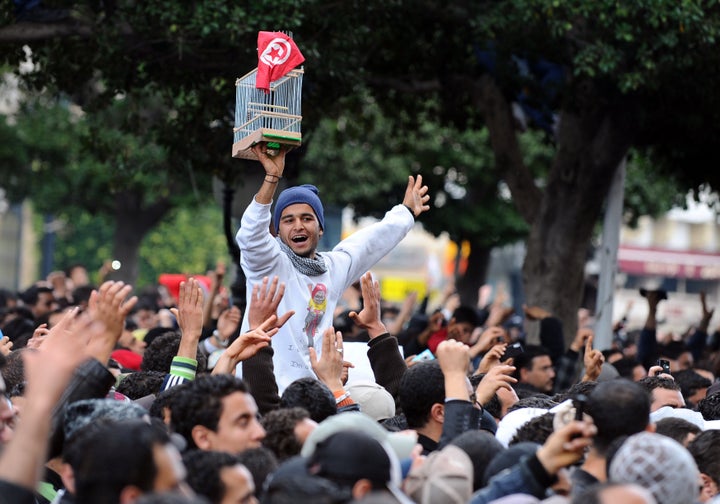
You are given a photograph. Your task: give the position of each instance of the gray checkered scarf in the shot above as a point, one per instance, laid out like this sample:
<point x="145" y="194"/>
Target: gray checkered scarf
<point x="305" y="265"/>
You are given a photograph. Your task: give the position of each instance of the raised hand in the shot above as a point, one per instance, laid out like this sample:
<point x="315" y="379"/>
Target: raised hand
<point x="581" y="337"/>
<point x="488" y="338"/>
<point x="454" y="358"/>
<point x="274" y="165"/>
<point x="498" y="377"/>
<point x="491" y="358"/>
<point x="329" y="367"/>
<point x="189" y="313"/>
<point x="369" y="316"/>
<point x="246" y="345"/>
<point x="227" y="323"/>
<point x="108" y="306"/>
<point x="566" y="446"/>
<point x="5" y="345"/>
<point x="593" y="360"/>
<point x="264" y="303"/>
<point x="416" y="196"/>
<point x="38" y="336"/>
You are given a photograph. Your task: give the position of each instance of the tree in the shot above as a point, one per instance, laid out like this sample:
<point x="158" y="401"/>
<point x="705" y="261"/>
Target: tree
<point x="597" y="76"/>
<point x="372" y="155"/>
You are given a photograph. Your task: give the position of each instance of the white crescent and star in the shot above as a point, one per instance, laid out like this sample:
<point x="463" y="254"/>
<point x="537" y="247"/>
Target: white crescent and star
<point x="276" y="53"/>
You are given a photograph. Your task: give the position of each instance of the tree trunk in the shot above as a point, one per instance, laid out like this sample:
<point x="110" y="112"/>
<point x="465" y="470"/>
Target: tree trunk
<point x="133" y="220"/>
<point x="592" y="140"/>
<point x="475" y="275"/>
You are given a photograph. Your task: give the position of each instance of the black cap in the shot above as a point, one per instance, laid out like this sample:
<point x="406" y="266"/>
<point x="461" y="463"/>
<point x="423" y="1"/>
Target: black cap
<point x="351" y="456"/>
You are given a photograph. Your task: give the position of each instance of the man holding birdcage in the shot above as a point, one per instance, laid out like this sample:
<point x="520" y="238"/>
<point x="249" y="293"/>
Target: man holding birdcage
<point x="314" y="282"/>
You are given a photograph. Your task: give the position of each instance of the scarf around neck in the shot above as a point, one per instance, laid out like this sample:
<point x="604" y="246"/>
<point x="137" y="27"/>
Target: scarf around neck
<point x="305" y="265"/>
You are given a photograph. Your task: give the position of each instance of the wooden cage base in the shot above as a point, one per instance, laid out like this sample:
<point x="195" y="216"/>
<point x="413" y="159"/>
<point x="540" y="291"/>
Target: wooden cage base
<point x="242" y="149"/>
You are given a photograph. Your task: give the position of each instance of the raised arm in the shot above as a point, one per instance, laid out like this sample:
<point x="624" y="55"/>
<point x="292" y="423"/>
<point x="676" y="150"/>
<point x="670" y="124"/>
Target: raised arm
<point x="274" y="167"/>
<point x="215" y="285"/>
<point x="48" y="371"/>
<point x="416" y="196"/>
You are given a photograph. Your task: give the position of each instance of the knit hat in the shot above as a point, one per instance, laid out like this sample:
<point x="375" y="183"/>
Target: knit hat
<point x="305" y="193"/>
<point x="659" y="464"/>
<point x="373" y="399"/>
<point x="82" y="413"/>
<point x="446" y="476"/>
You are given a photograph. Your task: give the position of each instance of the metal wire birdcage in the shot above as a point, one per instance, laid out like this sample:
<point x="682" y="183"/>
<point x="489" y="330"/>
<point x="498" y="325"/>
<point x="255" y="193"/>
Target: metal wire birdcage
<point x="273" y="117"/>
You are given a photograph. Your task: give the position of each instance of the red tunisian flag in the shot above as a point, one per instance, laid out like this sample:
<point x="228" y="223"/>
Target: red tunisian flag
<point x="277" y="55"/>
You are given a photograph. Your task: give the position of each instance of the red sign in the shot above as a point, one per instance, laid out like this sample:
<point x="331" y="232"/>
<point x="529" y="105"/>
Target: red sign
<point x="669" y="263"/>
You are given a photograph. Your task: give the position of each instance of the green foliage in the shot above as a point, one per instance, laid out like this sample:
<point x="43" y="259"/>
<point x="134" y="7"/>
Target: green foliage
<point x="647" y="191"/>
<point x="371" y="156"/>
<point x="188" y="241"/>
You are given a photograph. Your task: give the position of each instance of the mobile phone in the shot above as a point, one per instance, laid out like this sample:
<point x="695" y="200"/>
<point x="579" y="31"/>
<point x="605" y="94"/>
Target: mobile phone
<point x="579" y="401"/>
<point x="512" y="351"/>
<point x="425" y="355"/>
<point x="665" y="364"/>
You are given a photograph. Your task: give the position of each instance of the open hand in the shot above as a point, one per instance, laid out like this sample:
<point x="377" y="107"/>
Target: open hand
<point x="416" y="196"/>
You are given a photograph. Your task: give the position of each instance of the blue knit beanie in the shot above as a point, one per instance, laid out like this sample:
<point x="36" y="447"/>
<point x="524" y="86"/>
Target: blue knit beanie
<point x="305" y="193"/>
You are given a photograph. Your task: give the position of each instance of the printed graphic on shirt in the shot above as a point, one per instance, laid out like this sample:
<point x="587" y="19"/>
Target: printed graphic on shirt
<point x="316" y="309"/>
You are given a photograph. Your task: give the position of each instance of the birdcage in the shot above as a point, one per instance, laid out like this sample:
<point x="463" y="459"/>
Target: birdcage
<point x="273" y="117"/>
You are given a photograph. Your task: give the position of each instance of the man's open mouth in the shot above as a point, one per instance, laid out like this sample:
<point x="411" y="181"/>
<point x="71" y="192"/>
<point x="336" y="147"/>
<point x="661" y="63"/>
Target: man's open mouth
<point x="299" y="239"/>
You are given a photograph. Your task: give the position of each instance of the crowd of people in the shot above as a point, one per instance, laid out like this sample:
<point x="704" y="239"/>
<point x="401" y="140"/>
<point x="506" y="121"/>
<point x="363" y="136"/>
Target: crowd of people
<point x="113" y="396"/>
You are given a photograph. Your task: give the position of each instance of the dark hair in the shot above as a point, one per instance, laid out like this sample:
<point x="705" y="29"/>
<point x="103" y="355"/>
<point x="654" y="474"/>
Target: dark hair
<point x="650" y="383"/>
<point x="164" y="400"/>
<point x="141" y="384"/>
<point x="673" y="350"/>
<point x="481" y="446"/>
<point x="279" y="428"/>
<point x="14" y="370"/>
<point x="705" y="449"/>
<point x="115" y="455"/>
<point x="199" y="402"/>
<point x="584" y="388"/>
<point x="311" y="394"/>
<point x="537" y="401"/>
<point x="421" y="386"/>
<point x="710" y="407"/>
<point x="676" y="428"/>
<point x="618" y="408"/>
<point x="536" y="430"/>
<point x="19" y="330"/>
<point x="203" y="472"/>
<point x="626" y="366"/>
<point x="261" y="463"/>
<point x="30" y="295"/>
<point x="525" y="359"/>
<point x="494" y="406"/>
<point x="466" y="315"/>
<point x="81" y="294"/>
<point x="690" y="382"/>
<point x="159" y="354"/>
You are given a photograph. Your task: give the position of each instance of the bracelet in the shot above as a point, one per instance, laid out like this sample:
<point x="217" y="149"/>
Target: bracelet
<point x="221" y="343"/>
<point x="271" y="175"/>
<point x="341" y="398"/>
<point x="272" y="181"/>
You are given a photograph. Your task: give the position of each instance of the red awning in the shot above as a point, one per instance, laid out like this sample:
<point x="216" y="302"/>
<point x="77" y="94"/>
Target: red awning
<point x="669" y="263"/>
